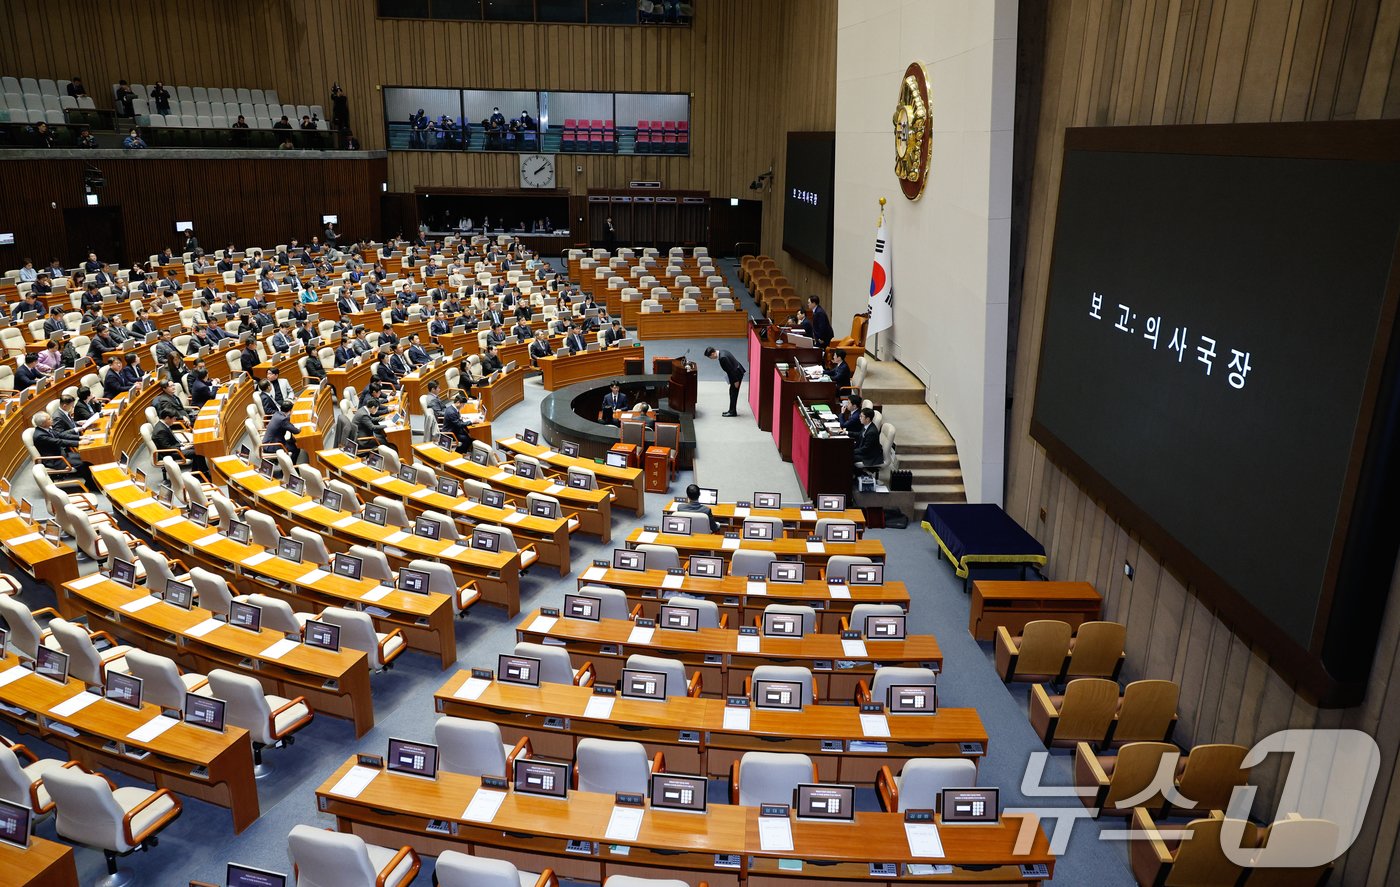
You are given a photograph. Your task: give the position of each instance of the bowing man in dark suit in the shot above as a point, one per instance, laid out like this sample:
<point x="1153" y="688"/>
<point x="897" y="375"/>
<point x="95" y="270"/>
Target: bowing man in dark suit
<point x="733" y="373"/>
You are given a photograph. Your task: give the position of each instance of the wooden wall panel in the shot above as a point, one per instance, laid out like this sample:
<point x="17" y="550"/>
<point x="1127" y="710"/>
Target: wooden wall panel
<point x="1128" y="62"/>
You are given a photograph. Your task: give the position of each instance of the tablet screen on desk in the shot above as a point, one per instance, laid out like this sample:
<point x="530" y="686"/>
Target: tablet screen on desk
<point x="266" y="467"/>
<point x="568" y="448"/>
<point x="530" y="436"/>
<point x="243" y="876"/>
<point x="485" y="540"/>
<point x="525" y="469"/>
<point x="493" y="498"/>
<point x="578" y="480"/>
<point x="412" y="758"/>
<point x="706" y="566"/>
<point x="51" y="664"/>
<point x="840" y="532"/>
<point x="244" y="452"/>
<point x="427" y="527"/>
<point x="885" y="628"/>
<point x="675" y="525"/>
<point x="638" y="684"/>
<point x="181" y="594"/>
<point x="581" y="606"/>
<point x="408" y="474"/>
<point x="204" y="711"/>
<point x="245" y="615"/>
<point x="787" y="571"/>
<point x="627" y="559"/>
<point x="197" y="513"/>
<point x="296" y="484"/>
<point x="615" y="460"/>
<point x="323" y="635"/>
<point x="123" y="572"/>
<point x="536" y="777"/>
<point x="524" y="670"/>
<point x="239" y="531"/>
<point x="373" y="460"/>
<point x="447" y="486"/>
<point x="709" y="496"/>
<point x="347" y="565"/>
<point x="678" y="618"/>
<point x="913" y="699"/>
<point x="413" y="581"/>
<point x="767" y="500"/>
<point x="828" y="803"/>
<point x="478" y="456"/>
<point x="376" y="514"/>
<point x="971" y="806"/>
<point x="866" y="574"/>
<point x="758" y="531"/>
<point x="544" y="508"/>
<point x="15" y="824"/>
<point x="831" y="502"/>
<point x="123" y="688"/>
<point x="447" y="442"/>
<point x="785" y="695"/>
<point x="331" y="499"/>
<point x="782" y="625"/>
<point x="350" y="447"/>
<point x="289" y="549"/>
<point x="672" y="792"/>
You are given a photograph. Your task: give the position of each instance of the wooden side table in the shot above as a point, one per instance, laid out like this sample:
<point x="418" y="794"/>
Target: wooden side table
<point x="658" y="469"/>
<point x="1013" y="604"/>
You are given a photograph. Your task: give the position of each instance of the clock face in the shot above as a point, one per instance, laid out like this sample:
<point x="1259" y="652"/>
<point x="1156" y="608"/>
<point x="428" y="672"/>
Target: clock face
<point x="913" y="127"/>
<point x="536" y="171"/>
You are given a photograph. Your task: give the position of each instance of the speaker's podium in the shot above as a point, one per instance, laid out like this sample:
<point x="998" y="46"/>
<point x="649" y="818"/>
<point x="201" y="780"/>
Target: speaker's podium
<point x="682" y="393"/>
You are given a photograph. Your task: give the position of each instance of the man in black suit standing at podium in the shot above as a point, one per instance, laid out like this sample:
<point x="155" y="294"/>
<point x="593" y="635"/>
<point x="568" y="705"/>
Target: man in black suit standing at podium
<point x="734" y="374"/>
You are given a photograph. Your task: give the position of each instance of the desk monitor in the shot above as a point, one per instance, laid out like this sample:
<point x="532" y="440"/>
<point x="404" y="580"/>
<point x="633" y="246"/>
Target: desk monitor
<point x="579" y="480"/>
<point x="840" y="533"/>
<point x="197" y="513"/>
<point x="245" y="452"/>
<point x="239" y="531"/>
<point x="493" y="498"/>
<point x="525" y="469"/>
<point x="825" y="803"/>
<point x="627" y="559"/>
<point x="512" y="669"/>
<point x="670" y="791"/>
<point x="376" y="514"/>
<point x="289" y="549"/>
<point x="266" y="468"/>
<point x="831" y="502"/>
<point x="673" y="525"/>
<point x="782" y="625"/>
<point x="181" y="594"/>
<point x="245" y="615"/>
<point x="913" y="699"/>
<point x="123" y="572"/>
<point x="534" y="776"/>
<point x="296" y="484"/>
<point x="412" y="758"/>
<point x="866" y="574"/>
<point x="15" y="822"/>
<point x="581" y="606"/>
<point x="165" y="495"/>
<point x="323" y="635"/>
<point x="374" y="460"/>
<point x="709" y="496"/>
<point x="760" y="531"/>
<point x="971" y="806"/>
<point x="678" y="618"/>
<point x="486" y="540"/>
<point x="615" y="460"/>
<point x="785" y="695"/>
<point x="707" y="566"/>
<point x="639" y="684"/>
<point x="204" y="711"/>
<point x="446" y="441"/>
<point x="347" y="565"/>
<point x="51" y="664"/>
<point x="244" y="876"/>
<point x="447" y="486"/>
<point x="427" y="527"/>
<point x="787" y="571"/>
<point x="884" y="628"/>
<point x="478" y="456"/>
<point x="331" y="499"/>
<point x="531" y="437"/>
<point x="569" y="448"/>
<point x="408" y="474"/>
<point x="545" y="508"/>
<point x="123" y="688"/>
<point x="413" y="581"/>
<point x="350" y="447"/>
<point x="767" y="500"/>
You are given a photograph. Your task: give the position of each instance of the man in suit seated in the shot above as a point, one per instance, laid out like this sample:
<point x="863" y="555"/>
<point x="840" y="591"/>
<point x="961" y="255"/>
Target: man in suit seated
<point x="64" y="418"/>
<point x="383" y="372"/>
<point x="54" y="323"/>
<point x="118" y="379"/>
<point x="434" y="400"/>
<point x="540" y="347"/>
<point x="692" y="504"/>
<point x="169" y="401"/>
<point x="51" y="443"/>
<point x="366" y="426"/>
<point x="521" y="331"/>
<point x="280" y="430"/>
<point x="840" y="373"/>
<point x="868" y="451"/>
<point x="615" y="333"/>
<point x="574" y="340"/>
<point x="249" y="357"/>
<point x="281" y="388"/>
<point x="416" y="353"/>
<point x="345" y="351"/>
<point x="281" y="340"/>
<point x="455" y="423"/>
<point x="28" y="375"/>
<point x="140" y="327"/>
<point x="491" y="361"/>
<point x="163" y="436"/>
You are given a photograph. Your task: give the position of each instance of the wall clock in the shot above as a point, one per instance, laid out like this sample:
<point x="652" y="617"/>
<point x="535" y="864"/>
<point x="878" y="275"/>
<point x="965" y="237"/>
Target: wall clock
<point x="536" y="171"/>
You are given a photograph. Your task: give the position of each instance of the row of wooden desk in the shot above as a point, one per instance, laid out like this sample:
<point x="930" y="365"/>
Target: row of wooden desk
<point x="676" y="324"/>
<point x="810" y="553"/>
<point x="560" y="370"/>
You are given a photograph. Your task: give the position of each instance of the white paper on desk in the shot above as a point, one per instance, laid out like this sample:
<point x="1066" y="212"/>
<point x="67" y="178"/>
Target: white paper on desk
<point x="74" y="704"/>
<point x="254" y="560"/>
<point x="514" y="517"/>
<point x="152" y="728"/>
<point x="169" y="521"/>
<point x="396" y="537"/>
<point x="279" y="649"/>
<point x="599" y="708"/>
<point x="472" y="688"/>
<point x="547" y="454"/>
<point x="736" y="717"/>
<point x="624" y="824"/>
<point x="208" y="540"/>
<point x="243" y="474"/>
<point x="646" y="538"/>
<point x="839" y="591"/>
<point x="747" y="643"/>
<point x="543" y="623"/>
<point x="313" y="577"/>
<point x="378" y="593"/>
<point x="483" y="805"/>
<point x="640" y="635"/>
<point x="510" y="440"/>
<point x="740" y="511"/>
<point x="855" y="649"/>
<point x="139" y="604"/>
<point x="874" y="725"/>
<point x="458" y="462"/>
<point x="118" y="485"/>
<point x="816" y="548"/>
<point x="729" y="544"/>
<point x="203" y="628"/>
<point x="671" y="581"/>
<point x="554" y="489"/>
<point x="275" y="488"/>
<point x="354" y="466"/>
<point x="424" y="493"/>
<point x="594" y="573"/>
<point x="9" y="515"/>
<point x="12" y="674"/>
<point x="755" y="587"/>
<point x="27" y="537"/>
<point x="305" y="506"/>
<point x="923" y="840"/>
<point x="345" y="522"/>
<point x="502" y="475"/>
<point x="356" y="781"/>
<point x="87" y="581"/>
<point x="452" y="550"/>
<point x="774" y="833"/>
<point x="142" y="503"/>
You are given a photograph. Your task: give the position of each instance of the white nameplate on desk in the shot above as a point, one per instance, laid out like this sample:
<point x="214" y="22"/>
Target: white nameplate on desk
<point x="736" y="717"/>
<point x="452" y="550"/>
<point x="472" y="688"/>
<point x="483" y="805"/>
<point x="305" y="506"/>
<point x="774" y="834"/>
<point x="87" y="581"/>
<point x="12" y="674"/>
<point x="672" y="581"/>
<point x="816" y="548"/>
<point x="152" y="728"/>
<point x="11" y="515"/>
<point x="170" y="521"/>
<point x="554" y="489"/>
<point x="874" y="725"/>
<point x="254" y="560"/>
<point x="547" y="454"/>
<point x="376" y="594"/>
<point x="279" y="649"/>
<point x="923" y="840"/>
<point x="593" y="574"/>
<point x="646" y="538"/>
<point x="353" y="783"/>
<point x="74" y="704"/>
<point x="139" y="604"/>
<point x="514" y="517"/>
<point x="510" y="440"/>
<point x="839" y="591"/>
<point x="640" y="635"/>
<point x="119" y="485"/>
<point x="502" y="475"/>
<point x="599" y="708"/>
<point x="747" y="643"/>
<point x="199" y="630"/>
<point x="729" y="544"/>
<point x="242" y="475"/>
<point x="458" y="462"/>
<point x="345" y="522"/>
<point x="624" y="824"/>
<point x="396" y="537"/>
<point x="314" y="576"/>
<point x="755" y="587"/>
<point x="854" y="648"/>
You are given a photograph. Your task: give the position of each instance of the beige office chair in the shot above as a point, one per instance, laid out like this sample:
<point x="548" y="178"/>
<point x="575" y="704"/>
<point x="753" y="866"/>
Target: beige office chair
<point x="608" y="766"/>
<point x="919" y="786"/>
<point x="90" y="810"/>
<point x="676" y="682"/>
<point x="334" y="859"/>
<point x="475" y="748"/>
<point x="84" y="662"/>
<point x="357" y="631"/>
<point x="555" y="667"/>
<point x="22" y="777"/>
<point x="761" y="777"/>
<point x="456" y="869"/>
<point x="162" y="682"/>
<point x="270" y="720"/>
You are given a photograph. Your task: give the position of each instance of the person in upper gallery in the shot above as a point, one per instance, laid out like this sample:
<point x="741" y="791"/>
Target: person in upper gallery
<point x="43" y="136"/>
<point x="284" y="123"/>
<point x="734" y="374"/>
<point x="610" y="236"/>
<point x="840" y="373"/>
<point x="340" y="108"/>
<point x="54" y="445"/>
<point x="306" y="122"/>
<point x="123" y="100"/>
<point x="692" y="505"/>
<point x="133" y="140"/>
<point x="86" y="139"/>
<point x="161" y="96"/>
<point x="240" y="123"/>
<point x="76" y="88"/>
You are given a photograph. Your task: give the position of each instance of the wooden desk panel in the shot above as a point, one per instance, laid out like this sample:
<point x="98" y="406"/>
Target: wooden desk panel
<point x="1013" y="604"/>
<point x="804" y="520"/>
<point x="560" y="371"/>
<point x="504" y="393"/>
<point x="692" y="325"/>
<point x="811" y="553"/>
<point x="625" y="482"/>
<point x="44" y="864"/>
<point x="49" y="562"/>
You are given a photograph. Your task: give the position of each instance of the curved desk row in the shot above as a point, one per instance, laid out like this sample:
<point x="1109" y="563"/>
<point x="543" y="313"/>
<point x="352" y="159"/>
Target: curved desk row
<point x="560" y="370"/>
<point x="626" y="483"/>
<point x="814" y="554"/>
<point x="802" y="519"/>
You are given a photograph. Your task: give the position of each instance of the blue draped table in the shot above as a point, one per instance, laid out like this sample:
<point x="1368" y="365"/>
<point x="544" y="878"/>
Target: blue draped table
<point x="981" y="534"/>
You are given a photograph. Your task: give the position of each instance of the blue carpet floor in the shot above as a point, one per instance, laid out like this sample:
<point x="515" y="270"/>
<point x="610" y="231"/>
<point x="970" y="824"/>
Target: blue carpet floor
<point x="201" y="841"/>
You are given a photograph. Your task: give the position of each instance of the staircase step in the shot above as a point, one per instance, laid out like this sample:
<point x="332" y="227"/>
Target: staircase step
<point x="887" y="396"/>
<point x="936" y="475"/>
<point x="916" y="462"/>
<point x="924" y="449"/>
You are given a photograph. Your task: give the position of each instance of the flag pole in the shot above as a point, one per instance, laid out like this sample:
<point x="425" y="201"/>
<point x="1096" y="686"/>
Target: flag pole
<point x="880" y="223"/>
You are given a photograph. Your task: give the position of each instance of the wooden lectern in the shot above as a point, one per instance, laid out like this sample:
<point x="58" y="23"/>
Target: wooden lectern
<point x="682" y="393"/>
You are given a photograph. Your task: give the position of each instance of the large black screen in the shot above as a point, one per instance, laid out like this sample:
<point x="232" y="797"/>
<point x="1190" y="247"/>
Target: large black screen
<point x="811" y="170"/>
<point x="1212" y="356"/>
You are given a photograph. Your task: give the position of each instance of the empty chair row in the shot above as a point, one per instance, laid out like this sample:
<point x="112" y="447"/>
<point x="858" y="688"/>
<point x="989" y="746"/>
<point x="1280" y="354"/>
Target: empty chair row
<point x="208" y="94"/>
<point x="35" y="102"/>
<point x="1051" y="650"/>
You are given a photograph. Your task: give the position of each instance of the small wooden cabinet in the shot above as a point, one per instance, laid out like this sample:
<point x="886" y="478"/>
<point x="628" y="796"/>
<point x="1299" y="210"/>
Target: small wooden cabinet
<point x="658" y="469"/>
